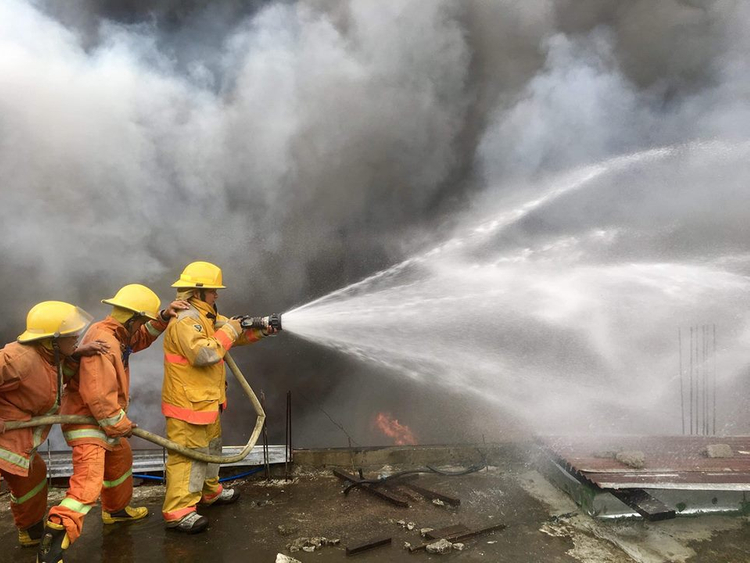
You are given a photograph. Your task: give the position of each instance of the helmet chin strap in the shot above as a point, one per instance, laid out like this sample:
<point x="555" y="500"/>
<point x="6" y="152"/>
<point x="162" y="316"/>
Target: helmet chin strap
<point x="202" y="297"/>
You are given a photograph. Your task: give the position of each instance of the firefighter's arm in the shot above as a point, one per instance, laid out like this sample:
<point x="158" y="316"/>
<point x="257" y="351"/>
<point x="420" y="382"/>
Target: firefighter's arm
<point x="247" y="336"/>
<point x="98" y="388"/>
<point x="152" y="329"/>
<point x="200" y="349"/>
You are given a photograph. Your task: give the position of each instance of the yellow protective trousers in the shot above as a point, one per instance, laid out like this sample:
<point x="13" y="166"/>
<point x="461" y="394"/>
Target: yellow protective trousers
<point x="28" y="494"/>
<point x="190" y="482"/>
<point x="96" y="471"/>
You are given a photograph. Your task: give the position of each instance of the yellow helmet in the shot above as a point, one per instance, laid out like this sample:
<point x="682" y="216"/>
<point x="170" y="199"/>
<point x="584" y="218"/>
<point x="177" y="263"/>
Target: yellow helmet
<point x="137" y="298"/>
<point x="202" y="275"/>
<point x="51" y="319"/>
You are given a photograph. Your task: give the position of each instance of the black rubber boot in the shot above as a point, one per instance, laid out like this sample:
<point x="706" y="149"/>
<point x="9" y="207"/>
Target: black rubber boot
<point x="54" y="542"/>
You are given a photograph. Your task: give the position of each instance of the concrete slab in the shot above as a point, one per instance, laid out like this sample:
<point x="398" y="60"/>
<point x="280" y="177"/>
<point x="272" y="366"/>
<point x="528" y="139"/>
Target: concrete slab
<point x="544" y="526"/>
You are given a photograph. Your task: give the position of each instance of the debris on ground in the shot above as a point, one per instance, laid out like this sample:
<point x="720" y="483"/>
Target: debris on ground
<point x="287" y="529"/>
<point x="719" y="450"/>
<point x="458" y="546"/>
<point x="424" y="531"/>
<point x="311" y="544"/>
<point x="635" y="459"/>
<point x="370" y="544"/>
<point x="281" y="558"/>
<point x="440" y="546"/>
<point x="410" y="526"/>
<point x="438" y="502"/>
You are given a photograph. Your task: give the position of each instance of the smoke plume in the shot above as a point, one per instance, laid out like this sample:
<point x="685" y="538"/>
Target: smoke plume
<point x="305" y="145"/>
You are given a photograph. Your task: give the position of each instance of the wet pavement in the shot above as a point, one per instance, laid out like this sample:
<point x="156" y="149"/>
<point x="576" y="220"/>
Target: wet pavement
<point x="543" y="526"/>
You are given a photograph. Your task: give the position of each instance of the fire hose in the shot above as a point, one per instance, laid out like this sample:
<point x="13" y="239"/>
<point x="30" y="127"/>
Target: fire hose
<point x="161" y="441"/>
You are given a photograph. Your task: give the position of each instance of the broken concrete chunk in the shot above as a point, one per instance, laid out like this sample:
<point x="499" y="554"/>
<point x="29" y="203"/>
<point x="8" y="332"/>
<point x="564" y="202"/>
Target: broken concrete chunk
<point x="425" y="531"/>
<point x="458" y="546"/>
<point x="635" y="459"/>
<point x="311" y="544"/>
<point x="407" y="545"/>
<point x="281" y="558"/>
<point x="410" y="526"/>
<point x="438" y="502"/>
<point x="440" y="546"/>
<point x="401" y="523"/>
<point x="719" y="450"/>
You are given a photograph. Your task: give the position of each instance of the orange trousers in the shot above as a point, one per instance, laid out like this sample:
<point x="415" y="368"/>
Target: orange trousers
<point x="28" y="495"/>
<point x="96" y="471"/>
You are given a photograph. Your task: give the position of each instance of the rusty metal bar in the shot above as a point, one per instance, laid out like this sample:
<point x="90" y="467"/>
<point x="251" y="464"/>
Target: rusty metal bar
<point x="430" y="494"/>
<point x="644" y="504"/>
<point x="461" y="536"/>
<point x="447" y="531"/>
<point x="367" y="545"/>
<point x="385" y="495"/>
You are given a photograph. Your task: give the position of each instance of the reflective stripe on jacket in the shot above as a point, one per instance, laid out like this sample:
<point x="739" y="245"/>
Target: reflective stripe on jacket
<point x="194" y="378"/>
<point x="102" y="387"/>
<point x="28" y="388"/>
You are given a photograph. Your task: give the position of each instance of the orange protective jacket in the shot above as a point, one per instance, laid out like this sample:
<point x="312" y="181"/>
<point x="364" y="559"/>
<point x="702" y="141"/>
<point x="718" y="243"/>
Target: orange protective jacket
<point x="194" y="347"/>
<point x="28" y="388"/>
<point x="102" y="387"/>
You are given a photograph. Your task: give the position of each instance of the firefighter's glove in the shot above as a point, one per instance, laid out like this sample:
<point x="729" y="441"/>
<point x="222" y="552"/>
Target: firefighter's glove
<point x="236" y="326"/>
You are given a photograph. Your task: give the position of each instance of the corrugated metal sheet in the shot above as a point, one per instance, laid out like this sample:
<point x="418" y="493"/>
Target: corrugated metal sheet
<point x="670" y="462"/>
<point x="59" y="464"/>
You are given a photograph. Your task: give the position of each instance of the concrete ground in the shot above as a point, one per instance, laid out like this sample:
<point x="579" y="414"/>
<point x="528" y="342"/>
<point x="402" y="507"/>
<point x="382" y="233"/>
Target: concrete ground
<point x="544" y="525"/>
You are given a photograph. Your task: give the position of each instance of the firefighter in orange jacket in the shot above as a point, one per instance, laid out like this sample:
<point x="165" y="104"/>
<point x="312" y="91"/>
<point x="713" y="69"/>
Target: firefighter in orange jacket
<point x="193" y="394"/>
<point x="32" y="372"/>
<point x="102" y="458"/>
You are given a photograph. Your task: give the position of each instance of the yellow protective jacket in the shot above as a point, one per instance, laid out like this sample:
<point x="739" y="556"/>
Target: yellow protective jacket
<point x="194" y="347"/>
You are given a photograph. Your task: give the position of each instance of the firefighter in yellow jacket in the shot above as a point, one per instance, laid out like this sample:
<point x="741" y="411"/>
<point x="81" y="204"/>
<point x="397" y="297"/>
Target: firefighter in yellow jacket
<point x="193" y="394"/>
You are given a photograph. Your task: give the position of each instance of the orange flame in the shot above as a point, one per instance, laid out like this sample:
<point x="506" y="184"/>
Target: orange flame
<point x="391" y="427"/>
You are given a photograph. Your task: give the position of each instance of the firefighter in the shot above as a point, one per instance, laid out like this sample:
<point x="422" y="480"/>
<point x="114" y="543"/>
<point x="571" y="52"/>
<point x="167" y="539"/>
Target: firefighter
<point x="102" y="458"/>
<point x="193" y="394"/>
<point x="31" y="371"/>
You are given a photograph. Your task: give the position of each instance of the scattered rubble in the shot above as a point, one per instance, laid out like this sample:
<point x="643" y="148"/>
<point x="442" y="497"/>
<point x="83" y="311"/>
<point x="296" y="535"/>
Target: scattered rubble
<point x="438" y="502"/>
<point x="458" y="546"/>
<point x="424" y="531"/>
<point x="281" y="558"/>
<point x="719" y="450"/>
<point x="311" y="544"/>
<point x="635" y="459"/>
<point x="410" y="526"/>
<point x="440" y="546"/>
